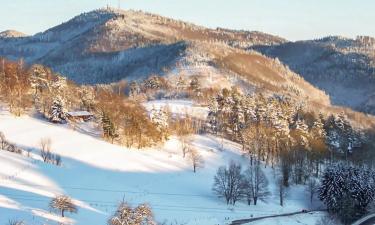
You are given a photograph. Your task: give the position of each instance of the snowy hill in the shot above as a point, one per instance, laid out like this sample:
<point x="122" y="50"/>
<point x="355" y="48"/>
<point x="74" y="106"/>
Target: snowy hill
<point x="110" y="30"/>
<point x="99" y="175"/>
<point x="107" y="45"/>
<point x="122" y="44"/>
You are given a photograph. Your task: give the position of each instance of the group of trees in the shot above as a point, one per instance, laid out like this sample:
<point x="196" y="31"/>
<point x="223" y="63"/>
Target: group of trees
<point x="127" y="122"/>
<point x="8" y="146"/>
<point x="45" y="150"/>
<point x="156" y="87"/>
<point x="14" y="83"/>
<point x="347" y="190"/>
<point x="278" y="130"/>
<point x="22" y="87"/>
<point x="123" y="121"/>
<point x="233" y="184"/>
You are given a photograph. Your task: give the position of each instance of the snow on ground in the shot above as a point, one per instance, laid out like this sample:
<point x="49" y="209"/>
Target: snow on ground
<point x="179" y="107"/>
<point x="98" y="175"/>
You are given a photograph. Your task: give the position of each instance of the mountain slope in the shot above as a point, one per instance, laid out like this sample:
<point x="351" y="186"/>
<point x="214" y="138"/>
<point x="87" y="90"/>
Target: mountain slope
<point x="343" y="67"/>
<point x="109" y="30"/>
<point x="107" y="45"/>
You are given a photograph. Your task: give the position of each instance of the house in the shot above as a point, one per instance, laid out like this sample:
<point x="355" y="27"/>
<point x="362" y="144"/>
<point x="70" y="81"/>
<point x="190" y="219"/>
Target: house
<point x="79" y="115"/>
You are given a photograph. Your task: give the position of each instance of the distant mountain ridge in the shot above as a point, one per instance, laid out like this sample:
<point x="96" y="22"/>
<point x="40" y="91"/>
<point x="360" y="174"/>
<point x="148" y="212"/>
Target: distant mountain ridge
<point x="12" y="34"/>
<point x="342" y="67"/>
<point x="108" y="45"/>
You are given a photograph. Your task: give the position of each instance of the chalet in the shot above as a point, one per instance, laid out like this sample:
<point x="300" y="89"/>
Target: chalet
<point x="79" y="115"/>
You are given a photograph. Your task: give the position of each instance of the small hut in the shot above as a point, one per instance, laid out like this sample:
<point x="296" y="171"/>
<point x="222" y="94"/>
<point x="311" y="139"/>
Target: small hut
<point x="79" y="115"/>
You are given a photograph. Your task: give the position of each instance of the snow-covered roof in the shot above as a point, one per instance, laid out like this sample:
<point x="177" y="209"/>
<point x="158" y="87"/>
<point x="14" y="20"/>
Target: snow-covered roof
<point x="79" y="113"/>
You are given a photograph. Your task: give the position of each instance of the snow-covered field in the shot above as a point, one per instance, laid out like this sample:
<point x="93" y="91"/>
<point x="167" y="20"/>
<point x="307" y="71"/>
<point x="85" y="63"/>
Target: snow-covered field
<point x="98" y="175"/>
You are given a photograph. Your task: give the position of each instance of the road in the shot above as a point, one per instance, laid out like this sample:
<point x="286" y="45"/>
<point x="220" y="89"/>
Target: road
<point x="367" y="220"/>
<point x="244" y="221"/>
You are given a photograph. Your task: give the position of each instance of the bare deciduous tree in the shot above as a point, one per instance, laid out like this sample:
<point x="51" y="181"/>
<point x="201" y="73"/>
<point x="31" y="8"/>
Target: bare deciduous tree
<point x="196" y="159"/>
<point x="282" y="192"/>
<point x="312" y="188"/>
<point x="63" y="204"/>
<point x="228" y="183"/>
<point x="45" y="149"/>
<point x="46" y="153"/>
<point x="3" y="141"/>
<point x="184" y="145"/>
<point x="255" y="184"/>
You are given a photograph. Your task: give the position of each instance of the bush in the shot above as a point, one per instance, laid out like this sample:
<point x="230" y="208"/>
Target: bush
<point x="125" y="214"/>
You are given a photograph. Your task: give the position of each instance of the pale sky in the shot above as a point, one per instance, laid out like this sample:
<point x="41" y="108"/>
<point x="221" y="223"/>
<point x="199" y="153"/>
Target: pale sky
<point x="291" y="19"/>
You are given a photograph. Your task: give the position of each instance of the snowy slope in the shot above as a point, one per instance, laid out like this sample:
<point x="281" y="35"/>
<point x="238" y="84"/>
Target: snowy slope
<point x="97" y="175"/>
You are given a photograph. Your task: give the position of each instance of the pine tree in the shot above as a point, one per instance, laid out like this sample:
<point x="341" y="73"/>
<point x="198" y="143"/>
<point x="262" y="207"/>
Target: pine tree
<point x="249" y="109"/>
<point x="159" y="118"/>
<point x="333" y="139"/>
<point x="237" y="117"/>
<point x="57" y="112"/>
<point x="109" y="129"/>
<point x="134" y="89"/>
<point x="212" y="118"/>
<point x="180" y="84"/>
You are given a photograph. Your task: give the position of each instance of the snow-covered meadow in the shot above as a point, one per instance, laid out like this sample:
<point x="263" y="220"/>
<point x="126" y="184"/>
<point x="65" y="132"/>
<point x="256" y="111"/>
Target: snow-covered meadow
<point x="98" y="175"/>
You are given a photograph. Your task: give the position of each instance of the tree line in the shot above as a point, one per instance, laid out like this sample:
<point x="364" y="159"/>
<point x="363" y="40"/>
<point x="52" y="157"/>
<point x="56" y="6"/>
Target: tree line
<point x="24" y="88"/>
<point x="281" y="131"/>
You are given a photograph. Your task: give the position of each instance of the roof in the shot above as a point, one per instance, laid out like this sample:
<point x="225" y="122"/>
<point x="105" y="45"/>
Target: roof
<point x="79" y="113"/>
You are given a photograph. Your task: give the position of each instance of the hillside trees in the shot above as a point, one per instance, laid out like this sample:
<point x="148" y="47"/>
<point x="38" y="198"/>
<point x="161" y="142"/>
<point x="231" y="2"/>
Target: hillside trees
<point x="279" y="130"/>
<point x="14" y="86"/>
<point x="122" y="120"/>
<point x="233" y="184"/>
<point x="125" y="120"/>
